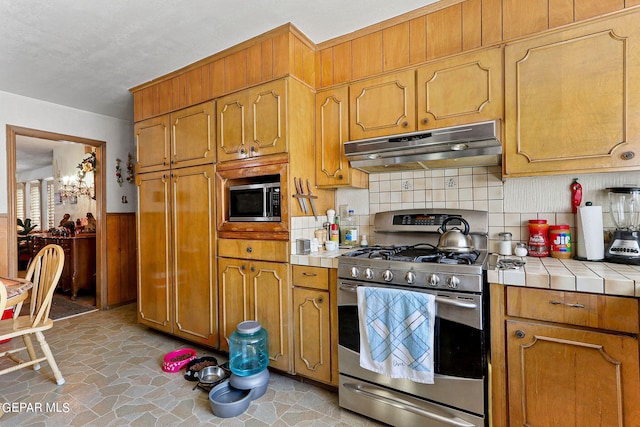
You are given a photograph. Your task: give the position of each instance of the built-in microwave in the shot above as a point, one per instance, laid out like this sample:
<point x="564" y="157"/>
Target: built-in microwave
<point x="255" y="202"/>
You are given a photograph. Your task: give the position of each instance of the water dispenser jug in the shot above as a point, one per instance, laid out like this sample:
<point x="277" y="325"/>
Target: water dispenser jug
<point x="248" y="349"/>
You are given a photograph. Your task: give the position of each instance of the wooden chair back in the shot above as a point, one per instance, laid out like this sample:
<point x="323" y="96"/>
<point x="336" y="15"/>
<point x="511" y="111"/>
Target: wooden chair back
<point x="44" y="272"/>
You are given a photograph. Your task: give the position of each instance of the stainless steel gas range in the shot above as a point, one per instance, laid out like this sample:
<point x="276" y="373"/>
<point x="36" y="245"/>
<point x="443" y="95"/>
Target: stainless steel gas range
<point x="406" y="257"/>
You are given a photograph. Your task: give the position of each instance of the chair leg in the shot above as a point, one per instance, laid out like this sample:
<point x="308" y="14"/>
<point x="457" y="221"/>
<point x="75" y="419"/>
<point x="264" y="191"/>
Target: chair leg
<point x="52" y="362"/>
<point x="30" y="350"/>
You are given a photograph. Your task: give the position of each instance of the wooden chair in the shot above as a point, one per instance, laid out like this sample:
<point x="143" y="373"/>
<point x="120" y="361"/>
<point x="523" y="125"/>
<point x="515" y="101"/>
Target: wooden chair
<point x="44" y="272"/>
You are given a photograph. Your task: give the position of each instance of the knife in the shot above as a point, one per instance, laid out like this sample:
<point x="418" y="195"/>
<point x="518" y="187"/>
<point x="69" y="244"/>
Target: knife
<point x="311" y="201"/>
<point x="303" y="204"/>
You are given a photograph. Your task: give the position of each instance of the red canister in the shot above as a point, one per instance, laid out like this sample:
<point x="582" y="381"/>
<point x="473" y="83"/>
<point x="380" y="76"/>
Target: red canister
<point x="560" y="241"/>
<point x="538" y="238"/>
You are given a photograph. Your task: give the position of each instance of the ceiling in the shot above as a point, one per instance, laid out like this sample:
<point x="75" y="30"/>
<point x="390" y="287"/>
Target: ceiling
<point x="88" y="54"/>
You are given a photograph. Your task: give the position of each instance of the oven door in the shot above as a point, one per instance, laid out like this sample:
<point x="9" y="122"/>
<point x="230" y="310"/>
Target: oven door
<point x="460" y="358"/>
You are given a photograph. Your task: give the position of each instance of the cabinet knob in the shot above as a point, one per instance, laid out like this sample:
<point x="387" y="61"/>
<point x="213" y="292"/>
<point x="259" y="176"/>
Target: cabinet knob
<point x="253" y="149"/>
<point x="243" y="267"/>
<point x="242" y="151"/>
<point x="340" y="176"/>
<point x="249" y="249"/>
<point x="628" y="155"/>
<point x="405" y="124"/>
<point x="425" y="121"/>
<point x="519" y="333"/>
<point x="320" y="300"/>
<point x="253" y="269"/>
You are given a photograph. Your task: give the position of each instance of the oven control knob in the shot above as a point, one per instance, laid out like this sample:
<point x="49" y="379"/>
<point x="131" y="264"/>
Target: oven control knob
<point x="433" y="280"/>
<point x="387" y="275"/>
<point x="453" y="282"/>
<point x="368" y="273"/>
<point x="354" y="272"/>
<point x="410" y="277"/>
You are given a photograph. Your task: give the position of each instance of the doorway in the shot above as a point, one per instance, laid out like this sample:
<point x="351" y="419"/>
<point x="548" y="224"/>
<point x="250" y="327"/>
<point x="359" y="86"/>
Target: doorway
<point x="100" y="198"/>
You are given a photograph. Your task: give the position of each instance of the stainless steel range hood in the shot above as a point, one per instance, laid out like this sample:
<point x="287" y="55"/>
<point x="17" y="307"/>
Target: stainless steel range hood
<point x="453" y="147"/>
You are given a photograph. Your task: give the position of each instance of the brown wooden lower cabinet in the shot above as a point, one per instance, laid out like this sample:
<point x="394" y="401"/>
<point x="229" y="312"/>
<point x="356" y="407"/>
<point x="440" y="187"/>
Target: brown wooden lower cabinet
<point x="79" y="270"/>
<point x="557" y="372"/>
<point x="121" y="256"/>
<point x="315" y="322"/>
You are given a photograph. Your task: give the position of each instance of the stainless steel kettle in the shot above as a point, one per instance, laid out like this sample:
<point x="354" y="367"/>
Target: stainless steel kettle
<point x="454" y="239"/>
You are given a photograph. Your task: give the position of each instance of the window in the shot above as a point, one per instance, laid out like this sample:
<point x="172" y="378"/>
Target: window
<point x="35" y="202"/>
<point x="20" y="211"/>
<point x="50" y="205"/>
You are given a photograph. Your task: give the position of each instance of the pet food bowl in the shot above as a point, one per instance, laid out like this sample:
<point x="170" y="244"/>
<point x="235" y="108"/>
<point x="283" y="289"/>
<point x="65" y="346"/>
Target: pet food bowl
<point x="256" y="383"/>
<point x="177" y="359"/>
<point x="196" y="365"/>
<point x="227" y="401"/>
<point x="211" y="375"/>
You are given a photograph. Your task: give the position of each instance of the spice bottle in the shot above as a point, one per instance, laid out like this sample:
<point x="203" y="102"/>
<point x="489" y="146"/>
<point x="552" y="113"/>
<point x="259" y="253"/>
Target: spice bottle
<point x="538" y="238"/>
<point x="504" y="243"/>
<point x="560" y="241"/>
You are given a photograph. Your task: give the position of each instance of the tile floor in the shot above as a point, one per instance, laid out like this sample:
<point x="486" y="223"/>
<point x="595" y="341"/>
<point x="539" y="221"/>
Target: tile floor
<point x="112" y="367"/>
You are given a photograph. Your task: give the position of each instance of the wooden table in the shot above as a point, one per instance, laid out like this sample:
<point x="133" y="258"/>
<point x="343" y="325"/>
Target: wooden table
<point x="17" y="292"/>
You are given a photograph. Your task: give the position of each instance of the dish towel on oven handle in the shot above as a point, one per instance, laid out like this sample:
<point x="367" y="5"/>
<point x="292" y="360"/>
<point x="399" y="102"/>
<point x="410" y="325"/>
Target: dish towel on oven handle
<point x="397" y="332"/>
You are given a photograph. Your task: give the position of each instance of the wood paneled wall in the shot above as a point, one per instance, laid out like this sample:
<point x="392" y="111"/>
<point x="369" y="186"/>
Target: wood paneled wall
<point x="446" y="28"/>
<point x="278" y="53"/>
<point x="121" y="258"/>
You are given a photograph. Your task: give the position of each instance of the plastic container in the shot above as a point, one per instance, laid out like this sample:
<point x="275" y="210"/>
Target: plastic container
<point x="227" y="401"/>
<point x="248" y="349"/>
<point x="504" y="243"/>
<point x="561" y="245"/>
<point x="350" y="234"/>
<point x="538" y="238"/>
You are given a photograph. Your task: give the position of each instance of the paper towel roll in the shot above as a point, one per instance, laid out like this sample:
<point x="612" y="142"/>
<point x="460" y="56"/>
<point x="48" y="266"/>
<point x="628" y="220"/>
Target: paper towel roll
<point x="590" y="233"/>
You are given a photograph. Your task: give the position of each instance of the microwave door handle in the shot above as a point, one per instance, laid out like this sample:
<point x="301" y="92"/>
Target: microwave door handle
<point x="265" y="213"/>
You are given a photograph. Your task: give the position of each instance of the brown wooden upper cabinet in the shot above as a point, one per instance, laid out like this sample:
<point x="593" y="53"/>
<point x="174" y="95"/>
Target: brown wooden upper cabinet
<point x="183" y="138"/>
<point x="460" y="90"/>
<point x="573" y="99"/>
<point x="332" y="131"/>
<point x="253" y="122"/>
<point x="382" y="106"/>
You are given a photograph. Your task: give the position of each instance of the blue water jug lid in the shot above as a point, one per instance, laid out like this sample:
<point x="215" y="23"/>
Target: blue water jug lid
<point x="248" y="327"/>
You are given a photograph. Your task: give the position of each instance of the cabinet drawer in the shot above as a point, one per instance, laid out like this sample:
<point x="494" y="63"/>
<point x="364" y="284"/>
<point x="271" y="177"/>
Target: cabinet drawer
<point x="311" y="277"/>
<point x="265" y="250"/>
<point x="574" y="308"/>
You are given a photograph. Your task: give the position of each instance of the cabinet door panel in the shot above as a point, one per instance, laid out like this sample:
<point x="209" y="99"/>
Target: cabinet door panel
<point x="553" y="368"/>
<point x="312" y="331"/>
<point x="461" y="90"/>
<point x="268" y="119"/>
<point x="573" y="101"/>
<point x="154" y="228"/>
<point x="231" y="113"/>
<point x="233" y="281"/>
<point x="382" y="106"/>
<point x="194" y="254"/>
<point x="332" y="131"/>
<point x="152" y="144"/>
<point x="269" y="305"/>
<point x="193" y="136"/>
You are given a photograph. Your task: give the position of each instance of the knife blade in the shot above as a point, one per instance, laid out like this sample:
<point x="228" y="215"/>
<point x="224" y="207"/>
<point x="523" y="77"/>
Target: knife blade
<point x="303" y="204"/>
<point x="311" y="201"/>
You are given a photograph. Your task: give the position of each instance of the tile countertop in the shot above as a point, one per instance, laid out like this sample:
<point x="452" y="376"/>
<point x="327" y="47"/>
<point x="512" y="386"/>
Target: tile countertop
<point x="327" y="259"/>
<point x="570" y="275"/>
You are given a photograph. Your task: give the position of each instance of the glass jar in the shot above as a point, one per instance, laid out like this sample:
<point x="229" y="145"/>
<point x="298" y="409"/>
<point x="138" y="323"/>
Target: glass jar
<point x="248" y="349"/>
<point x="538" y="238"/>
<point x="504" y="243"/>
<point x="521" y="249"/>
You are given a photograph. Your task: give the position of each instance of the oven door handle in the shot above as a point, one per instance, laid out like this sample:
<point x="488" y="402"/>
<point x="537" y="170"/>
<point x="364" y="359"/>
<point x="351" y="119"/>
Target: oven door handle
<point x="407" y="406"/>
<point x="440" y="300"/>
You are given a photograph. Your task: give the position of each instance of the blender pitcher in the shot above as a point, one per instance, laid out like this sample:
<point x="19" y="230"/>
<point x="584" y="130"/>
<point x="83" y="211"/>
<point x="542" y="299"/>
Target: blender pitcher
<point x="624" y="207"/>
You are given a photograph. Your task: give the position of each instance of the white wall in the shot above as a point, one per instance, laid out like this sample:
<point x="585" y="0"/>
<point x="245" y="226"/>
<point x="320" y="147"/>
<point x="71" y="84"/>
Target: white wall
<point x="31" y="113"/>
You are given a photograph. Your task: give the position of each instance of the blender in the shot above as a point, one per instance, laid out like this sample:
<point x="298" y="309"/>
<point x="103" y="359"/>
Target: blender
<point x="624" y="206"/>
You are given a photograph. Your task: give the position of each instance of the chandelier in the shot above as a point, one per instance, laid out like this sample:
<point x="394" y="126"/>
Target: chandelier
<point x="81" y="184"/>
<point x="71" y="187"/>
